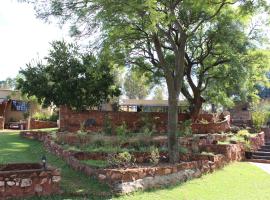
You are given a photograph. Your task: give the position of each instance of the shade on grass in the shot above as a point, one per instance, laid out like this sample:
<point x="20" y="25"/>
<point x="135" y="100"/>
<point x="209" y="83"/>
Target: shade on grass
<point x="238" y="181"/>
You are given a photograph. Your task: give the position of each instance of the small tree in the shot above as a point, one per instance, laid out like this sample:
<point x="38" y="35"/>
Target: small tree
<point x="68" y="78"/>
<point x="158" y="93"/>
<point x="136" y="85"/>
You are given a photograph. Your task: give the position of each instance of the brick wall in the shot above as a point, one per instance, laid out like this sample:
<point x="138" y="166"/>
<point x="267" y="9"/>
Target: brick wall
<point x="71" y="120"/>
<point x="37" y="124"/>
<point x="2" y="123"/>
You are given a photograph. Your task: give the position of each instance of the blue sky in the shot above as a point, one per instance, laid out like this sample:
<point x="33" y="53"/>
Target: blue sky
<point x="23" y="37"/>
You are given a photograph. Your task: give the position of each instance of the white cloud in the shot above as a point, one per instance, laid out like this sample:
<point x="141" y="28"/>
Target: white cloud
<point x="23" y="37"/>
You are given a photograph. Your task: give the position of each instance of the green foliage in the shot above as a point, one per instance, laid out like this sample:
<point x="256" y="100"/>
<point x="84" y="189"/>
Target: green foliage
<point x="122" y="131"/>
<point x="107" y="125"/>
<point x="158" y="93"/>
<point x="259" y="119"/>
<point x="68" y="78"/>
<point x="154" y="155"/>
<point x="147" y="124"/>
<point x="185" y="129"/>
<point x="45" y="116"/>
<point x="183" y="150"/>
<point x="120" y="159"/>
<point x="243" y="133"/>
<point x="26" y="115"/>
<point x="136" y="85"/>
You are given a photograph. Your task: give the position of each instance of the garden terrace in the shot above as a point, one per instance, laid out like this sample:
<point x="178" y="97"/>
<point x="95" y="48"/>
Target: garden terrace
<point x="28" y="179"/>
<point x="139" y="162"/>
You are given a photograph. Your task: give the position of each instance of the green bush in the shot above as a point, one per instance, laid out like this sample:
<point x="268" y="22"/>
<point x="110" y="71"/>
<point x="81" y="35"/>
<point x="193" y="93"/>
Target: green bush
<point x="120" y="159"/>
<point x="107" y="125"/>
<point x="154" y="155"/>
<point x="45" y="117"/>
<point x="185" y="128"/>
<point x="122" y="130"/>
<point x="243" y="133"/>
<point x="259" y="118"/>
<point x="147" y="123"/>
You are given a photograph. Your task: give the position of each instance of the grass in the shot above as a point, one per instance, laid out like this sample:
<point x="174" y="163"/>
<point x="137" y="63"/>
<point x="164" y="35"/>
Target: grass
<point x="14" y="149"/>
<point x="238" y="181"/>
<point x="96" y="163"/>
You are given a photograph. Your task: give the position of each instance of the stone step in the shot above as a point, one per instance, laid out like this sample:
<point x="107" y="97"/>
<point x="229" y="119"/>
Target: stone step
<point x="259" y="161"/>
<point x="265" y="147"/>
<point x="261" y="153"/>
<point x="261" y="157"/>
<point x="264" y="150"/>
<point x="267" y="143"/>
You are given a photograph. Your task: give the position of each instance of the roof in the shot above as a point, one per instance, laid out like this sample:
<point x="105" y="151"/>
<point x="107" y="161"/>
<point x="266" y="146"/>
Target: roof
<point x="5" y="93"/>
<point x="143" y="102"/>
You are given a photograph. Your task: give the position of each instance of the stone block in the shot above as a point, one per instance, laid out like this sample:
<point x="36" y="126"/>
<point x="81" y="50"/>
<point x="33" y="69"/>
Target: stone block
<point x="26" y="182"/>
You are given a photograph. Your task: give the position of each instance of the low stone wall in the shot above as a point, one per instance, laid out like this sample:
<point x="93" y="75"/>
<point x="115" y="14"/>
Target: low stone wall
<point x="232" y="152"/>
<point x="24" y="180"/>
<point x="35" y="135"/>
<point x="125" y="180"/>
<point x="258" y="141"/>
<point x="212" y="127"/>
<point x="2" y="123"/>
<point x="267" y="133"/>
<point x="38" y="124"/>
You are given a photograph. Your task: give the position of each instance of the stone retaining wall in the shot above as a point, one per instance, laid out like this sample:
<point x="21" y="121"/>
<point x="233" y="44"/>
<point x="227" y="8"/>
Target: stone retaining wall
<point x="125" y="180"/>
<point x="24" y="180"/>
<point x="35" y="135"/>
<point x="258" y="141"/>
<point x="38" y="124"/>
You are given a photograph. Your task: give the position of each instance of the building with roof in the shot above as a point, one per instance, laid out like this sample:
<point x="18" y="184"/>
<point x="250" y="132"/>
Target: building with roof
<point x="139" y="105"/>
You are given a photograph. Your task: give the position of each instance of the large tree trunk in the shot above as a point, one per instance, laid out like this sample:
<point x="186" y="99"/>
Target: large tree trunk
<point x="196" y="107"/>
<point x="173" y="146"/>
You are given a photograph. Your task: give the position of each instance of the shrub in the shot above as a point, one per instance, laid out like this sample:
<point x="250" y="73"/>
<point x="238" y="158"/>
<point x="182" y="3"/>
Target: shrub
<point x="45" y="117"/>
<point x="121" y="131"/>
<point x="120" y="159"/>
<point x="183" y="150"/>
<point x="147" y="123"/>
<point x="259" y="118"/>
<point x="185" y="128"/>
<point x="244" y="133"/>
<point x="154" y="155"/>
<point x="107" y="125"/>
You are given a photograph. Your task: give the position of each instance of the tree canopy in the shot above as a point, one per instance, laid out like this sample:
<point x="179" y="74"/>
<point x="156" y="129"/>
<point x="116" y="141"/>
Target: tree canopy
<point x="136" y="85"/>
<point x="155" y="35"/>
<point x="68" y="78"/>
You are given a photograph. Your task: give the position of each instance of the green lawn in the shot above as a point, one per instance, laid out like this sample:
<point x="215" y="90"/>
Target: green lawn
<point x="15" y="149"/>
<point x="235" y="182"/>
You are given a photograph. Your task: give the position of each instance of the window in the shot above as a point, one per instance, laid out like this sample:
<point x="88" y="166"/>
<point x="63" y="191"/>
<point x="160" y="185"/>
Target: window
<point x="19" y="106"/>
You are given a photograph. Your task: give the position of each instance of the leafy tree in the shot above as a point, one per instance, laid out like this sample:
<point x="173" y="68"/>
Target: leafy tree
<point x="68" y="78"/>
<point x="153" y="34"/>
<point x="222" y="67"/>
<point x="136" y="85"/>
<point x="158" y="93"/>
<point x="9" y="83"/>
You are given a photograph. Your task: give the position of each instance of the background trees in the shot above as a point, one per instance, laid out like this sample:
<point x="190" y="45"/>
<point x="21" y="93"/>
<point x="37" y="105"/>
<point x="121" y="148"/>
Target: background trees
<point x="68" y="78"/>
<point x="136" y="85"/>
<point x="152" y="34"/>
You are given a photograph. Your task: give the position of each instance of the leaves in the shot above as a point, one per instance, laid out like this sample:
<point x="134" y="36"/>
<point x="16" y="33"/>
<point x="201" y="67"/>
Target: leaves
<point x="69" y="78"/>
